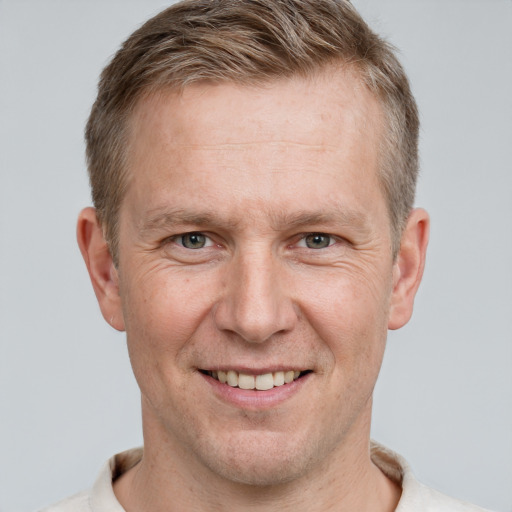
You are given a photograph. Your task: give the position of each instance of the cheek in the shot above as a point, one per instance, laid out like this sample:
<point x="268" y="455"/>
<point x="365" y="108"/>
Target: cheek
<point x="166" y="299"/>
<point x="349" y="313"/>
<point x="162" y="311"/>
<point x="348" y="295"/>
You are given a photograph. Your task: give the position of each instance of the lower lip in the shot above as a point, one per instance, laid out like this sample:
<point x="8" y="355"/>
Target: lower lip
<point x="252" y="398"/>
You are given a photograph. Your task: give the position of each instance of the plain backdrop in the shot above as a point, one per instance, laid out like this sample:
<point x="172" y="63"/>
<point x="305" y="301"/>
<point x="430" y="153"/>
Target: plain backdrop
<point x="67" y="397"/>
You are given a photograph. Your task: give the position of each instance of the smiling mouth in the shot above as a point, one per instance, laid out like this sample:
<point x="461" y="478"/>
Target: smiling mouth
<point x="261" y="382"/>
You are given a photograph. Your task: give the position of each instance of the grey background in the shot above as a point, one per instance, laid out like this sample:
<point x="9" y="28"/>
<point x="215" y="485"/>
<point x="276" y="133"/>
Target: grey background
<point x="67" y="397"/>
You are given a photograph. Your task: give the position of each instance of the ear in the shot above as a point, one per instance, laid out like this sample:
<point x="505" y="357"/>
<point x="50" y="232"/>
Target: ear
<point x="101" y="268"/>
<point x="408" y="268"/>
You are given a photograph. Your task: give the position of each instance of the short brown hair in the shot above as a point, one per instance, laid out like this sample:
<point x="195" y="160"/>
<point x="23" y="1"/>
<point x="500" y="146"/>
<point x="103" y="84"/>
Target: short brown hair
<point x="248" y="42"/>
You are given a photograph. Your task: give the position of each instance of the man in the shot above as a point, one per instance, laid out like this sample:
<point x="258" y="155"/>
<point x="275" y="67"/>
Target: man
<point x="253" y="166"/>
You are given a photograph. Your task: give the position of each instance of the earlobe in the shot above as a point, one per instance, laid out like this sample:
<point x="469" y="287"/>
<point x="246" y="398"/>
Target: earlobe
<point x="408" y="268"/>
<point x="100" y="266"/>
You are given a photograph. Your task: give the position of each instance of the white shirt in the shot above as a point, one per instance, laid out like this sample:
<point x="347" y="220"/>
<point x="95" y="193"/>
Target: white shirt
<point x="415" y="496"/>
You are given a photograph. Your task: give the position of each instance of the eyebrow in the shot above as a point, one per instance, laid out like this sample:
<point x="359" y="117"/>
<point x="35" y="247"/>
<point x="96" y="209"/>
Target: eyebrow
<point x="280" y="220"/>
<point x="160" y="219"/>
<point x="338" y="216"/>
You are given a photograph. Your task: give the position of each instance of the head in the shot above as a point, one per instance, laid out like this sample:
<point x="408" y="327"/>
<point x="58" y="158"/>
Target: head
<point x="248" y="43"/>
<point x="253" y="168"/>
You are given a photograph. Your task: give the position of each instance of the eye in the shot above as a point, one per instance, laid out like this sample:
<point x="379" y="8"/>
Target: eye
<point x="193" y="240"/>
<point x="317" y="241"/>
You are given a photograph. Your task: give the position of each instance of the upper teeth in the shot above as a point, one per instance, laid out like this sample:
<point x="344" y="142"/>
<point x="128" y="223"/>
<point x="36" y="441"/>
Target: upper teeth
<point x="260" y="382"/>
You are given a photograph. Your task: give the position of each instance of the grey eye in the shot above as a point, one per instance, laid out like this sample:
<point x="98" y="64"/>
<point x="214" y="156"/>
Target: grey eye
<point x="317" y="241"/>
<point x="193" y="240"/>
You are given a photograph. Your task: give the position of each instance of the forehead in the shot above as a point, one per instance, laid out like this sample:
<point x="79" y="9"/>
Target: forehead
<point x="292" y="140"/>
<point x="329" y="98"/>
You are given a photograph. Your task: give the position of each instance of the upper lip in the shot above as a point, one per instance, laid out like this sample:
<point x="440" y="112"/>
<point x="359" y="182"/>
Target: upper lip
<point x="255" y="371"/>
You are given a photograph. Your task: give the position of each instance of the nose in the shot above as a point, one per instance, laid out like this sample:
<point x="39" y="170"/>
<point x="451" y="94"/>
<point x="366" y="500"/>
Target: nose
<point x="256" y="303"/>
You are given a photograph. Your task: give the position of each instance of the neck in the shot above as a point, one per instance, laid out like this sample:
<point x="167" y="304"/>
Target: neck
<point x="168" y="479"/>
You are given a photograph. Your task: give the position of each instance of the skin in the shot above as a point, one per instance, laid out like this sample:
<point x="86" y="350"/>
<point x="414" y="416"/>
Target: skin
<point x="256" y="171"/>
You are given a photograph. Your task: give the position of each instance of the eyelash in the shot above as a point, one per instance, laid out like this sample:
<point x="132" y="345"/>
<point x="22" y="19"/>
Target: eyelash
<point x="208" y="241"/>
<point x="302" y="241"/>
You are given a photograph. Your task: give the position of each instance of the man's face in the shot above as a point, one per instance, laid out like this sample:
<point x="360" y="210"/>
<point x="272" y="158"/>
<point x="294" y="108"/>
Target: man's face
<point x="255" y="240"/>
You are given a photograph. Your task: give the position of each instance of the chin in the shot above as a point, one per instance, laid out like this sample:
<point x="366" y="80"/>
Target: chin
<point x="265" y="460"/>
<point x="260" y="473"/>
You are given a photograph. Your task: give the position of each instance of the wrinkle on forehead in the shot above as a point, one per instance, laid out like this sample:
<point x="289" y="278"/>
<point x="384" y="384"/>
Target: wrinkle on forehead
<point x="243" y="145"/>
<point x="349" y="104"/>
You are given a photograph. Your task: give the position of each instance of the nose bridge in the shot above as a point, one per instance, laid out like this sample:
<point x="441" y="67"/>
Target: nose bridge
<point x="256" y="303"/>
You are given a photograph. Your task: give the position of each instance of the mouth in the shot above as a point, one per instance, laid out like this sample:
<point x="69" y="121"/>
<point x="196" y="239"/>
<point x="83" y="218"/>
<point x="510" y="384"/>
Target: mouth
<point x="261" y="382"/>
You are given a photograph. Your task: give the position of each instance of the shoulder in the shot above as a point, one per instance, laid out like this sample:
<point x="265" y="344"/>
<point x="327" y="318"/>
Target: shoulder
<point x="101" y="496"/>
<point x="77" y="503"/>
<point x="415" y="496"/>
<point x="427" y="499"/>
